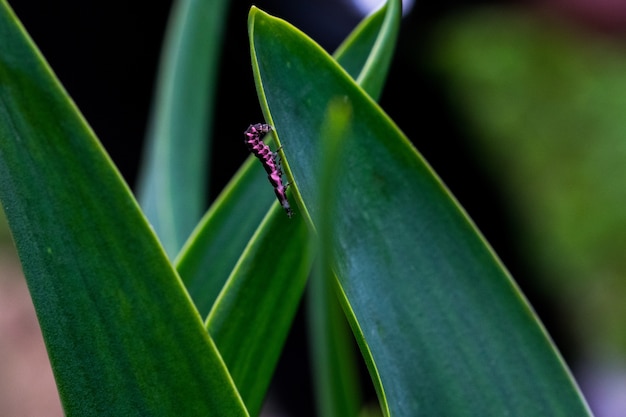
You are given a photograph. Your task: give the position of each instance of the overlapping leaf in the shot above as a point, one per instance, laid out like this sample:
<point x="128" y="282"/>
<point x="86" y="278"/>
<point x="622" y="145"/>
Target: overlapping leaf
<point x="276" y="260"/>
<point x="444" y="329"/>
<point x="174" y="174"/>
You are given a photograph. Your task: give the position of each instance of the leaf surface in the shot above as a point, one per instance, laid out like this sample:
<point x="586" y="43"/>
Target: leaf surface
<point x="366" y="56"/>
<point x="252" y="316"/>
<point x="333" y="357"/>
<point x="443" y="327"/>
<point x="212" y="251"/>
<point x="174" y="174"/>
<point x="122" y="334"/>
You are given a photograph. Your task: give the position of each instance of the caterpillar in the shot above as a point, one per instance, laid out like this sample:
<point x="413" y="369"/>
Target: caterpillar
<point x="269" y="159"/>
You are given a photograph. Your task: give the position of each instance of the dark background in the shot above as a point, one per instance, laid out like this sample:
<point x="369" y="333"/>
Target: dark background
<point x="106" y="55"/>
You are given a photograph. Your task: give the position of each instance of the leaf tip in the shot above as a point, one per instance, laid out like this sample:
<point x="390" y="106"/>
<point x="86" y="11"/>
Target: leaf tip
<point x="252" y="14"/>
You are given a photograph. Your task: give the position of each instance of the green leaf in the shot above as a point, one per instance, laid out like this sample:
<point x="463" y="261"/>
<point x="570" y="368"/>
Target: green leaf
<point x="122" y="335"/>
<point x="261" y="296"/>
<point x="443" y="328"/>
<point x="366" y="56"/>
<point x="174" y="175"/>
<point x="333" y="355"/>
<point x="210" y="254"/>
<point x="367" y="52"/>
<point x="253" y="314"/>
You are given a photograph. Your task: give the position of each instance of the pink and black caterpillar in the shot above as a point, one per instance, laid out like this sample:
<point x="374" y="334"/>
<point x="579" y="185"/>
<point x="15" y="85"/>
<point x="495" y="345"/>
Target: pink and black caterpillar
<point x="269" y="159"/>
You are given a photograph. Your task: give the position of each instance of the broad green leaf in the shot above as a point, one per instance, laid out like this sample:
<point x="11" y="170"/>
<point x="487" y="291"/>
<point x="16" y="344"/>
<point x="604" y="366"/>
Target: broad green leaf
<point x="174" y="175"/>
<point x="443" y="328"/>
<point x="122" y="335"/>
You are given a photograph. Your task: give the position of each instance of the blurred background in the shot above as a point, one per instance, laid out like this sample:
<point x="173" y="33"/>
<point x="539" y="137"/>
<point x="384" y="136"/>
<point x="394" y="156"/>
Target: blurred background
<point x="517" y="105"/>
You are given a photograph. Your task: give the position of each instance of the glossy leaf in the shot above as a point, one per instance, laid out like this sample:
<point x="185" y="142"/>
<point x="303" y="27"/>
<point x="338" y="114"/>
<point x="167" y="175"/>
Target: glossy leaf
<point x="442" y="326"/>
<point x="210" y="254"/>
<point x="366" y="56"/>
<point x="174" y="174"/>
<point x="333" y="355"/>
<point x="254" y="312"/>
<point x="122" y="335"/>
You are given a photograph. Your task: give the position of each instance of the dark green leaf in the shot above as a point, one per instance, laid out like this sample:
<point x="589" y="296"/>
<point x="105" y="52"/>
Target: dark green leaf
<point x="210" y="254"/>
<point x="122" y="335"/>
<point x="174" y="174"/>
<point x="253" y="314"/>
<point x="366" y="56"/>
<point x="332" y="346"/>
<point x="442" y="326"/>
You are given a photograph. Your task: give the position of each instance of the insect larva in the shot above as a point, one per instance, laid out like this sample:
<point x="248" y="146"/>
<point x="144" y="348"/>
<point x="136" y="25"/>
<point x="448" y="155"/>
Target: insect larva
<point x="253" y="138"/>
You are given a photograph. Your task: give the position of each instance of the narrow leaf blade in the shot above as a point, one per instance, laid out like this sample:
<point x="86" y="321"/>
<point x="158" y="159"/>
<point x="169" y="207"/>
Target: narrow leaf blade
<point x="174" y="174"/>
<point x="366" y="56"/>
<point x="332" y="345"/>
<point x="367" y="52"/>
<point x="260" y="301"/>
<point x="210" y="254"/>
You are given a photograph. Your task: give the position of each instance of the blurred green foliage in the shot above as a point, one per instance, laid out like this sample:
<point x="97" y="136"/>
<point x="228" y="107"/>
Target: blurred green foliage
<point x="5" y="235"/>
<point x="545" y="104"/>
